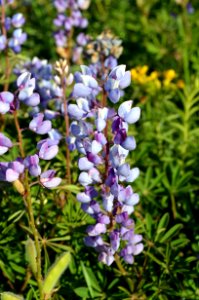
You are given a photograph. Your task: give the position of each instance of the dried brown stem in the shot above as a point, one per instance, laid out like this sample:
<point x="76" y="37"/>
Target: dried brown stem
<point x="67" y="126"/>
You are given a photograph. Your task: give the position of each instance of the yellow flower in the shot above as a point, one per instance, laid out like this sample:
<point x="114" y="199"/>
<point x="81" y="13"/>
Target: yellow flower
<point x="134" y="74"/>
<point x="170" y="74"/>
<point x="153" y="76"/>
<point x="143" y="69"/>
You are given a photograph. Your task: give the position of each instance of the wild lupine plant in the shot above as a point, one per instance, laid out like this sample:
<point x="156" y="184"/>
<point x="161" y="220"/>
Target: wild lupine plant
<point x="104" y="170"/>
<point x="46" y="148"/>
<point x="68" y="18"/>
<point x="25" y="168"/>
<point x="98" y="132"/>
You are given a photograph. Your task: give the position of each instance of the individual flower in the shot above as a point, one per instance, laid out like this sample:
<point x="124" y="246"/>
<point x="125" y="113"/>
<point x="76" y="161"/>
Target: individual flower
<point x="118" y="79"/>
<point x="32" y="163"/>
<point x="18" y="20"/>
<point x="2" y="42"/>
<point x="6" y="99"/>
<point x="39" y="126"/>
<point x="14" y="170"/>
<point x="48" y="179"/>
<point x="5" y="143"/>
<point x="48" y="149"/>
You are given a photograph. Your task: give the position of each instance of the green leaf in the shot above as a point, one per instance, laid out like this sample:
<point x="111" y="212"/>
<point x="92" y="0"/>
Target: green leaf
<point x="83" y="292"/>
<point x="55" y="273"/>
<point x="171" y="232"/>
<point x="10" y="296"/>
<point x="162" y="225"/>
<point x="180" y="242"/>
<point x="91" y="281"/>
<point x="159" y="262"/>
<point x="148" y="224"/>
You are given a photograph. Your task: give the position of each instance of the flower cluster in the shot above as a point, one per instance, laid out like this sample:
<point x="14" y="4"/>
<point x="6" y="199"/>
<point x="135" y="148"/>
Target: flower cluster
<point x="46" y="85"/>
<point x="14" y="26"/>
<point x="46" y="149"/>
<point x="103" y="166"/>
<point x="158" y="79"/>
<point x="106" y="49"/>
<point x="69" y="17"/>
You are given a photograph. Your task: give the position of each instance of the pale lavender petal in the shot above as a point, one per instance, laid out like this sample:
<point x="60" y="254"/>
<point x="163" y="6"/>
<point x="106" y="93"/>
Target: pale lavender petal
<point x="133" y="116"/>
<point x="83" y="198"/>
<point x="33" y="100"/>
<point x="51" y="183"/>
<point x="23" y="79"/>
<point x="129" y="143"/>
<point x="94" y="230"/>
<point x="84" y="179"/>
<point x="125" y="80"/>
<point x="45" y="127"/>
<point x="134" y="173"/>
<point x="114" y="95"/>
<point x="138" y="249"/>
<point x="7" y="97"/>
<point x="125" y="108"/>
<point x="85" y="164"/>
<point x="11" y="175"/>
<point x="4" y="107"/>
<point x="3" y="150"/>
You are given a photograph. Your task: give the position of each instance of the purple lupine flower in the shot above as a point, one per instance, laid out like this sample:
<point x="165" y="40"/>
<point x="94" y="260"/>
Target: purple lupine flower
<point x="32" y="163"/>
<point x="14" y="170"/>
<point x="48" y="149"/>
<point x="82" y="39"/>
<point x="60" y="38"/>
<point x="128" y="114"/>
<point x="111" y="215"/>
<point x="60" y="5"/>
<point x="190" y="8"/>
<point x="55" y="135"/>
<point x="48" y="180"/>
<point x="95" y="230"/>
<point x="45" y="84"/>
<point x="118" y="80"/>
<point x="26" y="86"/>
<point x="18" y="38"/>
<point x="6" y="99"/>
<point x="18" y="20"/>
<point x="39" y="126"/>
<point x="5" y="143"/>
<point x="70" y="17"/>
<point x="83" y="4"/>
<point x="2" y="42"/>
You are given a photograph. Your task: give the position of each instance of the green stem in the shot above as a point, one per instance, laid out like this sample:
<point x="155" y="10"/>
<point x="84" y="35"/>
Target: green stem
<point x="173" y="206"/>
<point x="124" y="273"/>
<point x="31" y="219"/>
<point x="35" y="234"/>
<point x="182" y="26"/>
